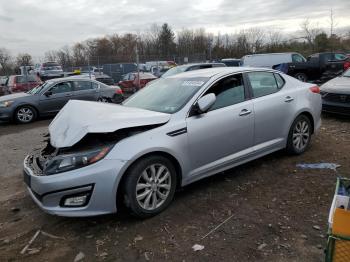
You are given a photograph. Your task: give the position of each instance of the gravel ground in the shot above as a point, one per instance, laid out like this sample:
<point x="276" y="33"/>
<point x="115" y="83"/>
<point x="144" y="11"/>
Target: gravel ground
<point x="273" y="210"/>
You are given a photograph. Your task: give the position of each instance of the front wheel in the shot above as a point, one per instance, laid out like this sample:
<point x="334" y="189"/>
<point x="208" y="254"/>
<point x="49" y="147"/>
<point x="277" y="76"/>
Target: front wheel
<point x="299" y="136"/>
<point x="150" y="186"/>
<point x="25" y="114"/>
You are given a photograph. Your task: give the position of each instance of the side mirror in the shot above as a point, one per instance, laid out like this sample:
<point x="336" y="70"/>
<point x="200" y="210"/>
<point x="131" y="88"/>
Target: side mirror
<point x="48" y="93"/>
<point x="205" y="102"/>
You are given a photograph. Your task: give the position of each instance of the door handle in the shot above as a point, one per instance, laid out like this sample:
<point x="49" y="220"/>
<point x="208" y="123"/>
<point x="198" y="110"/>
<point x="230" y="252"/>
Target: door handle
<point x="288" y="99"/>
<point x="244" y="112"/>
<point x="68" y="95"/>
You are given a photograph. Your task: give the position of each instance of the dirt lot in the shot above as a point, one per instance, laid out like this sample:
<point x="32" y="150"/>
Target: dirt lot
<point x="278" y="212"/>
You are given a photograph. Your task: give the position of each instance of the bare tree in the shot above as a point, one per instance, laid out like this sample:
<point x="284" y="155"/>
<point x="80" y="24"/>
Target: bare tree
<point x="310" y="32"/>
<point x="255" y="37"/>
<point x="5" y="60"/>
<point x="24" y="59"/>
<point x="51" y="55"/>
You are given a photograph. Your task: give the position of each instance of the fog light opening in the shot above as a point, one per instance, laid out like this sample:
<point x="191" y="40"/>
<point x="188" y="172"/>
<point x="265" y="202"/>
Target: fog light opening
<point x="79" y="200"/>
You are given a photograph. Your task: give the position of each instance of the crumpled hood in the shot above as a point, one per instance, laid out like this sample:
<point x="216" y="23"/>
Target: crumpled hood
<point x="337" y="85"/>
<point x="78" y="118"/>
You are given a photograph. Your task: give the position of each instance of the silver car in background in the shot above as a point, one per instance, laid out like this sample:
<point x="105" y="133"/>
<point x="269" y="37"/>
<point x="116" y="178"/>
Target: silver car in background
<point x="173" y="132"/>
<point x="336" y="95"/>
<point x="48" y="70"/>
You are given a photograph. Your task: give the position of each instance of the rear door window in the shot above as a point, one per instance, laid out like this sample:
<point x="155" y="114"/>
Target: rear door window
<point x="262" y="83"/>
<point x="280" y="81"/>
<point x="83" y="85"/>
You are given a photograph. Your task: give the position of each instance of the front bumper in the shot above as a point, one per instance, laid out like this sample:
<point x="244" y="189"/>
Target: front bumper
<point x="100" y="181"/>
<point x="5" y="113"/>
<point x="336" y="107"/>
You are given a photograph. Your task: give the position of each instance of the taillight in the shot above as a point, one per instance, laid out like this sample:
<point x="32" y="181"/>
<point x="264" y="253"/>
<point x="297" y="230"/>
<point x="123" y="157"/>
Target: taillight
<point x="346" y="65"/>
<point x="119" y="91"/>
<point x="315" y="89"/>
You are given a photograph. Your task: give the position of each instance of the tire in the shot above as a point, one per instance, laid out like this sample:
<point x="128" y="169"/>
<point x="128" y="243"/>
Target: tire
<point x="103" y="100"/>
<point x="299" y="136"/>
<point x="301" y="76"/>
<point x="155" y="193"/>
<point x="25" y="114"/>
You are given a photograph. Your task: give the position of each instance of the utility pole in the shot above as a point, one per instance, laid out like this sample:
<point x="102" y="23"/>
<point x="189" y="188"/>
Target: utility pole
<point x="137" y="63"/>
<point x="89" y="67"/>
<point x="98" y="64"/>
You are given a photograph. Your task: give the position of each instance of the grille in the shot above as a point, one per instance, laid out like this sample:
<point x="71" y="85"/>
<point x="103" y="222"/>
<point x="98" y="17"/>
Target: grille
<point x="336" y="109"/>
<point x="336" y="97"/>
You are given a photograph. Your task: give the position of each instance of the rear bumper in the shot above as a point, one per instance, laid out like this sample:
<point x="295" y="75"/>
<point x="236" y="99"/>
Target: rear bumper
<point x="336" y="108"/>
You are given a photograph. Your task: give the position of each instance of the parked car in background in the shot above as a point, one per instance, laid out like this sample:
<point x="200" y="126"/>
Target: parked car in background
<point x="178" y="130"/>
<point x="158" y="71"/>
<point x="116" y="71"/>
<point x="190" y="67"/>
<point x="48" y="70"/>
<point x="231" y="61"/>
<point x="3" y="85"/>
<point x="103" y="78"/>
<point x="51" y="96"/>
<point x="269" y="60"/>
<point x="166" y="64"/>
<point x="320" y="66"/>
<point x="132" y="82"/>
<point x="336" y="94"/>
<point x="22" y="83"/>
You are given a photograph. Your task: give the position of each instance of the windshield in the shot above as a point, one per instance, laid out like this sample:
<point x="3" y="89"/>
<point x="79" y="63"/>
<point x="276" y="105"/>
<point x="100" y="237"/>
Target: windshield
<point x="174" y="71"/>
<point x="36" y="90"/>
<point x="347" y="73"/>
<point x="166" y="95"/>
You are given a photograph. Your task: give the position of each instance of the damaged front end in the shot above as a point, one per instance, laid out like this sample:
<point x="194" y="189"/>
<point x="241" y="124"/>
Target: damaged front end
<point x="92" y="148"/>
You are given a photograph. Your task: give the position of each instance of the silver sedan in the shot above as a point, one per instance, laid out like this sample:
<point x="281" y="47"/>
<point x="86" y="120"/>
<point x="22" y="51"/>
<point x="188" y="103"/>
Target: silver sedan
<point x="173" y="132"/>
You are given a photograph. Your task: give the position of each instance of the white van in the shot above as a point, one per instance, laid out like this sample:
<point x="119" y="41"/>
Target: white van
<point x="270" y="59"/>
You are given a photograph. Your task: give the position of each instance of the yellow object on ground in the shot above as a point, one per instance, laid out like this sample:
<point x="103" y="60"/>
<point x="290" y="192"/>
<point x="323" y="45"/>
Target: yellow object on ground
<point x="341" y="222"/>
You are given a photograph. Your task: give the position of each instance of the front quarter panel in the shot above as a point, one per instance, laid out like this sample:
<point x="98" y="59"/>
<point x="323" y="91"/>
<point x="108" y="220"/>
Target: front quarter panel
<point x="155" y="140"/>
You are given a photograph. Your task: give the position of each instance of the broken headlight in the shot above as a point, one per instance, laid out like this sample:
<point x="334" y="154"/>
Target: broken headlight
<point x="63" y="163"/>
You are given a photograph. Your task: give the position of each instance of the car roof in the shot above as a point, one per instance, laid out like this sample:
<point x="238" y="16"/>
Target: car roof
<point x="78" y="78"/>
<point x="264" y="54"/>
<point x="218" y="71"/>
<point x="199" y="64"/>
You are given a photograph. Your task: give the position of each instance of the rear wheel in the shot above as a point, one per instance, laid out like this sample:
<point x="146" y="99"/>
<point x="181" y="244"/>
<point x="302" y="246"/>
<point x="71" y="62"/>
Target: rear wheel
<point x="103" y="100"/>
<point x="25" y="114"/>
<point x="301" y="76"/>
<point x="150" y="186"/>
<point x="299" y="136"/>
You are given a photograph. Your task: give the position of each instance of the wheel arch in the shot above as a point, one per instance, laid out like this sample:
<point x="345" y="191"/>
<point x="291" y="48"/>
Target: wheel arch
<point x="169" y="156"/>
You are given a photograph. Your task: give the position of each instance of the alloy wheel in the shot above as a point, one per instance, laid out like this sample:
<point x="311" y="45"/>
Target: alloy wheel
<point x="153" y="187"/>
<point x="103" y="100"/>
<point x="301" y="135"/>
<point x="25" y="115"/>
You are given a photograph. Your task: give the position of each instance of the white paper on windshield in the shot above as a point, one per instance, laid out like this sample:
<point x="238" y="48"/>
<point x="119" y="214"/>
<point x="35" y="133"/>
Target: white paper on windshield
<point x="192" y="83"/>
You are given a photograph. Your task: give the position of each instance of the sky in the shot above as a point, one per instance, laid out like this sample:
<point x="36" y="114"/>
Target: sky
<point x="36" y="26"/>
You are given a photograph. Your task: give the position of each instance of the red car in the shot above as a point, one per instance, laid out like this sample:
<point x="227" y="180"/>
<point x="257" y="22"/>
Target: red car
<point x="131" y="83"/>
<point x="22" y="83"/>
